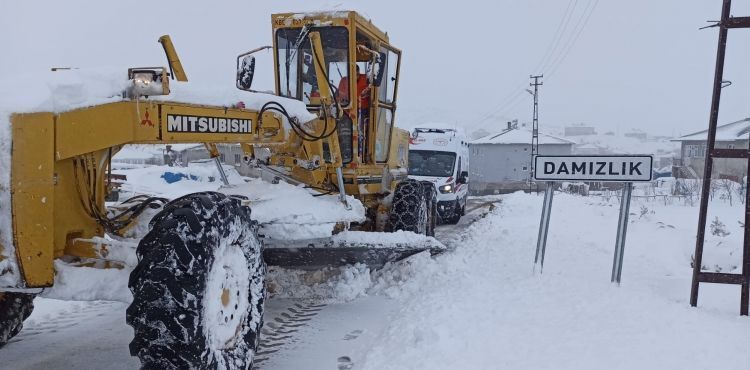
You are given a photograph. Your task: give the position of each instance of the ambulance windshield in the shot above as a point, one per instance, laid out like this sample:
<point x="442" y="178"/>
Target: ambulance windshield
<point x="431" y="163"/>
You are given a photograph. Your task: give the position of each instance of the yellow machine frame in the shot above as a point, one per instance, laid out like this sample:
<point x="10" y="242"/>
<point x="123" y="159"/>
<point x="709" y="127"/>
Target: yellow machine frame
<point x="60" y="161"/>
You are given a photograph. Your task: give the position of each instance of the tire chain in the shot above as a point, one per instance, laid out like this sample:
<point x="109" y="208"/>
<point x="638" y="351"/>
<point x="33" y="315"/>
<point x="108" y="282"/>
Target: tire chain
<point x="407" y="207"/>
<point x="14" y="309"/>
<point x="165" y="277"/>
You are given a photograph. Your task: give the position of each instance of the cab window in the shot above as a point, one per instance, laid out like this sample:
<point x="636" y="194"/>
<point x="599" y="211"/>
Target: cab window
<point x="297" y="77"/>
<point x="386" y="102"/>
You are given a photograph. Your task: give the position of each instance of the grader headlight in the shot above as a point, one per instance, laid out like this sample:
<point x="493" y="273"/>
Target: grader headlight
<point x="148" y="81"/>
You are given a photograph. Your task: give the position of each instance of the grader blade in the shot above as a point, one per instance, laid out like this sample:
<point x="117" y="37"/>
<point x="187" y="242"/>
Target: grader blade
<point x="313" y="254"/>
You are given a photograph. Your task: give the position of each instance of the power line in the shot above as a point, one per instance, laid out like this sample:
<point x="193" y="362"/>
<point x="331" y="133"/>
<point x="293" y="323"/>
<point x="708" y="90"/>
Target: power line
<point x="585" y="18"/>
<point x="575" y="35"/>
<point x="562" y="28"/>
<point x="511" y="100"/>
<point x="514" y="93"/>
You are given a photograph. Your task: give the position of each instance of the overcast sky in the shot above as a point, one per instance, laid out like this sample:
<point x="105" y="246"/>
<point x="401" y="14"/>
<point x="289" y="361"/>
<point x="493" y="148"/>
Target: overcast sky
<point x="634" y="64"/>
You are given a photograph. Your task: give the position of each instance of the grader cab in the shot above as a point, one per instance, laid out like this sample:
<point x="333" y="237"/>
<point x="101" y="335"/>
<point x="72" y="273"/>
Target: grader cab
<point x="198" y="276"/>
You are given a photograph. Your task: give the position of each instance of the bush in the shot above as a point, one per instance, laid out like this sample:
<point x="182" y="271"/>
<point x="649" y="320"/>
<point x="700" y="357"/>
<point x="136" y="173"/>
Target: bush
<point x="718" y="228"/>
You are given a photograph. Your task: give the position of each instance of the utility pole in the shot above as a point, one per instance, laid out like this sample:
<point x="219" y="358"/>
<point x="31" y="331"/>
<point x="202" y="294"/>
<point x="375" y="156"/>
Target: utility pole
<point x="534" y="125"/>
<point x="699" y="276"/>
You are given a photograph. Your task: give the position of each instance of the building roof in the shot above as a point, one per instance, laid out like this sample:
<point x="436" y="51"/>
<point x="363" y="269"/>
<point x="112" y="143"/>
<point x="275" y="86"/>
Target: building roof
<point x="132" y="153"/>
<point x="519" y="136"/>
<point x="738" y="130"/>
<point x="181" y="147"/>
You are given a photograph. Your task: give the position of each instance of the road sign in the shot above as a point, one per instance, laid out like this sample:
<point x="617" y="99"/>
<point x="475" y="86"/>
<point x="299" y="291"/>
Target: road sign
<point x="614" y="168"/>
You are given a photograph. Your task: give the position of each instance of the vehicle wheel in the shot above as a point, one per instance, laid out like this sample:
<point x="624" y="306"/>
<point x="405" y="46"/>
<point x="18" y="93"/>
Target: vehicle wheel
<point x="432" y="212"/>
<point x="456" y="214"/>
<point x="14" y="309"/>
<point x="410" y="210"/>
<point x="198" y="289"/>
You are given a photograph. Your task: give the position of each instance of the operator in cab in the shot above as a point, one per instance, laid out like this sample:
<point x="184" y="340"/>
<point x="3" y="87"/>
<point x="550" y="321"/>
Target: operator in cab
<point x="363" y="94"/>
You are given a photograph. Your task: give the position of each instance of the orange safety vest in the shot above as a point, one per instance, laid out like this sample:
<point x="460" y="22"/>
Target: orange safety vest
<point x="362" y="83"/>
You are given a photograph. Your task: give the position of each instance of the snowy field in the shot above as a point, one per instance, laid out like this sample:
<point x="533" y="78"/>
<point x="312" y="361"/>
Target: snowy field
<point x="482" y="306"/>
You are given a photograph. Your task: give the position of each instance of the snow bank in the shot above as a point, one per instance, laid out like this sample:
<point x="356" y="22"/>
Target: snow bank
<point x="290" y="212"/>
<point x="482" y="306"/>
<point x="200" y="177"/>
<point x="395" y="238"/>
<point x="284" y="211"/>
<point x="346" y="283"/>
<point x="81" y="283"/>
<point x="333" y="284"/>
<point x="70" y="89"/>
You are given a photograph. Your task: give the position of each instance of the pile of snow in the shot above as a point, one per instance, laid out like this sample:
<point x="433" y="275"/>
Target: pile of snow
<point x="346" y="283"/>
<point x="395" y="239"/>
<point x="197" y="177"/>
<point x="483" y="306"/>
<point x="330" y="285"/>
<point x="290" y="212"/>
<point x="284" y="211"/>
<point x="81" y="283"/>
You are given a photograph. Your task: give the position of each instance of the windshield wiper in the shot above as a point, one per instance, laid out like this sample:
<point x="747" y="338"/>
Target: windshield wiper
<point x="295" y="47"/>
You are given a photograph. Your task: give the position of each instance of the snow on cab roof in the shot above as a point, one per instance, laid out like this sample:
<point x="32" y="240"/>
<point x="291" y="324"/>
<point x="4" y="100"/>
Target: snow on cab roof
<point x="321" y="13"/>
<point x="737" y="130"/>
<point x="519" y="136"/>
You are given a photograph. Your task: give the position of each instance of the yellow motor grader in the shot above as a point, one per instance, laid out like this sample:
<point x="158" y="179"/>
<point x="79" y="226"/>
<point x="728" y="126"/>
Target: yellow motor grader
<point x="199" y="283"/>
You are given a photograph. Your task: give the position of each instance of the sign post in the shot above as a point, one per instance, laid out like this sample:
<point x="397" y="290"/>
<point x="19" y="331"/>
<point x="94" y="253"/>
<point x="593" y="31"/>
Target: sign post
<point x="601" y="168"/>
<point x="541" y="241"/>
<point x="622" y="229"/>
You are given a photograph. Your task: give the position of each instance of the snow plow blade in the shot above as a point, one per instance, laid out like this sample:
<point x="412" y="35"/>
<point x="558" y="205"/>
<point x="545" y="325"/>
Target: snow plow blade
<point x="346" y="249"/>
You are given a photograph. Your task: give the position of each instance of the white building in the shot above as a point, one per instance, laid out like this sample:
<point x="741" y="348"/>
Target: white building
<point x="501" y="162"/>
<point x="733" y="135"/>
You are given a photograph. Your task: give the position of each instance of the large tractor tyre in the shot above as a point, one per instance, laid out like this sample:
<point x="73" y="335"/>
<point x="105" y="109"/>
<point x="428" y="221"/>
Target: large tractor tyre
<point x="413" y="208"/>
<point x="14" y="309"/>
<point x="198" y="289"/>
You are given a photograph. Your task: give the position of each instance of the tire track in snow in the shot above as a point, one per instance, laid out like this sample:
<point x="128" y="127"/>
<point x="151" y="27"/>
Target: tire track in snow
<point x="64" y="319"/>
<point x="279" y="330"/>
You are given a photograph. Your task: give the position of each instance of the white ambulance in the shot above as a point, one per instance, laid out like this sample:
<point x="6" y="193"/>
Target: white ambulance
<point x="441" y="156"/>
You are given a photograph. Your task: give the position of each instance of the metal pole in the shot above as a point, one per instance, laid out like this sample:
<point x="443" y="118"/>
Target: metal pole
<point x="222" y="174"/>
<point x="745" y="287"/>
<point x="534" y="129"/>
<point x="541" y="243"/>
<point x="342" y="192"/>
<point x="622" y="229"/>
<point x="710" y="141"/>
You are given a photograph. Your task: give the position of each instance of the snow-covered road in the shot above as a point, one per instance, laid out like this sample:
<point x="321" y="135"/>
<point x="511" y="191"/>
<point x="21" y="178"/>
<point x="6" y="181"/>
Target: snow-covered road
<point x="71" y="335"/>
<point x="298" y="333"/>
<point x="480" y="306"/>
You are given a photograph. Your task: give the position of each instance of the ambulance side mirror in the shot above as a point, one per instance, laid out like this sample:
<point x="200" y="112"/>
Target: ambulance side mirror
<point x="463" y="178"/>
